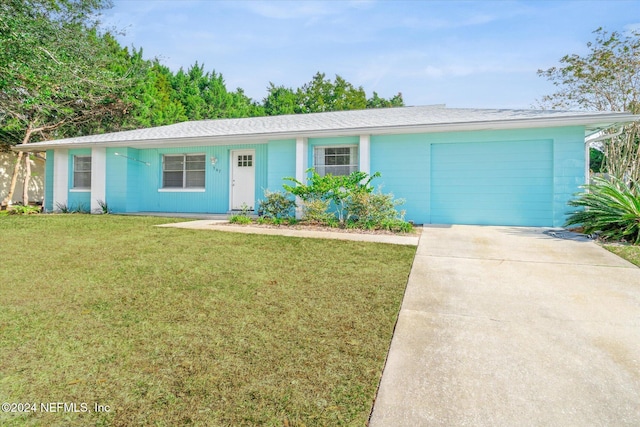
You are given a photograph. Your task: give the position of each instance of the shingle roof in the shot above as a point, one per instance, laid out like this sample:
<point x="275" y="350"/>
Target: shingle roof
<point x="434" y="118"/>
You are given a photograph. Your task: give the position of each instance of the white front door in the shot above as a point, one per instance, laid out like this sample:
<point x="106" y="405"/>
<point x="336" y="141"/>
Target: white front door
<point x="243" y="179"/>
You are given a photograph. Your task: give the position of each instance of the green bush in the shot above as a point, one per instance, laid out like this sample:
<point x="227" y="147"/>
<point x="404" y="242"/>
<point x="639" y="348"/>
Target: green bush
<point x="24" y="210"/>
<point x="609" y="207"/>
<point x="372" y="208"/>
<point x="348" y="201"/>
<point x="317" y="211"/>
<point x="240" y="219"/>
<point x="277" y="204"/>
<point x="333" y="188"/>
<point x="104" y="207"/>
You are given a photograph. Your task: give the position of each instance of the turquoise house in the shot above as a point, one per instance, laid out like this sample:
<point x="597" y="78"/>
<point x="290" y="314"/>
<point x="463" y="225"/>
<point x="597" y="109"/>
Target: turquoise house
<point x="452" y="166"/>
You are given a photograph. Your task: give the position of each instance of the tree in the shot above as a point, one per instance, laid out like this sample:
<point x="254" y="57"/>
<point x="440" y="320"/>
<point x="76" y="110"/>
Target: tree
<point x="321" y="94"/>
<point x="280" y="100"/>
<point x="55" y="73"/>
<point x="377" y="102"/>
<point x="605" y="79"/>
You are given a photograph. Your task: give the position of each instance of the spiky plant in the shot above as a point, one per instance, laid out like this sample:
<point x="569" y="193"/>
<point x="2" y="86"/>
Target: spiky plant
<point x="611" y="208"/>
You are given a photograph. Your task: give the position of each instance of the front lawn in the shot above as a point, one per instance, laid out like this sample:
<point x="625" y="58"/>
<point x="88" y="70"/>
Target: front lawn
<point x="628" y="252"/>
<point x="168" y="327"/>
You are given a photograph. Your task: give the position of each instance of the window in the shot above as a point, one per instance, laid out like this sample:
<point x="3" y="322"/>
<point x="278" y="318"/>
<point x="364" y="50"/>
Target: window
<point x="82" y="172"/>
<point x="245" y="160"/>
<point x="336" y="160"/>
<point x="183" y="171"/>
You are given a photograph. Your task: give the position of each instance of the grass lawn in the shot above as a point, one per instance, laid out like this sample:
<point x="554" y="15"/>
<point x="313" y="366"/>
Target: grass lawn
<point x="628" y="252"/>
<point x="172" y="327"/>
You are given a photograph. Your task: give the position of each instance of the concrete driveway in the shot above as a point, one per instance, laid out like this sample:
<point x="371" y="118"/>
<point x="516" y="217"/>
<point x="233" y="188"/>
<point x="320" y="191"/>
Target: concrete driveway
<point x="506" y="326"/>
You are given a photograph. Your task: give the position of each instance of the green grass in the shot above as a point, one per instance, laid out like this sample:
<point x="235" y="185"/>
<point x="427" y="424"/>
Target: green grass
<point x="628" y="252"/>
<point x="188" y="327"/>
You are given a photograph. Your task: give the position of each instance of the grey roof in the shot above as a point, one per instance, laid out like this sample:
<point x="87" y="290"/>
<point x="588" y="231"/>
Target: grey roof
<point x="436" y="118"/>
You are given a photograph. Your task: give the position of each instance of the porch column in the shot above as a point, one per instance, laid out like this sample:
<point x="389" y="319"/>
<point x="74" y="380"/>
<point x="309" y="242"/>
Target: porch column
<point x="98" y="178"/>
<point x="365" y="154"/>
<point x="60" y="178"/>
<point x="302" y="162"/>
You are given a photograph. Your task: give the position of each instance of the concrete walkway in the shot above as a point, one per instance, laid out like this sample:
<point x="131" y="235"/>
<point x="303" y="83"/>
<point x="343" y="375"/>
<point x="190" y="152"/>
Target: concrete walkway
<point x="223" y="225"/>
<point x="508" y="326"/>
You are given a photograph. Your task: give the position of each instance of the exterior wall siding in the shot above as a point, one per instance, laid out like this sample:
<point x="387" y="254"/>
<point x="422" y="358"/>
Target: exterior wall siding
<point x="281" y="163"/>
<point x="413" y="167"/>
<point x="406" y="163"/>
<point x="135" y="181"/>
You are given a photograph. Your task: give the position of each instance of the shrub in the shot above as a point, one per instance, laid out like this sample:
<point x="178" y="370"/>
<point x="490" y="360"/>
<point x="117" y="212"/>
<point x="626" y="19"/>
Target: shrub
<point x="104" y="208"/>
<point x="610" y="207"/>
<point x="62" y="208"/>
<point x="316" y="210"/>
<point x="277" y="204"/>
<point x="372" y="207"/>
<point x="397" y="225"/>
<point x="337" y="189"/>
<point x="239" y="219"/>
<point x="24" y="210"/>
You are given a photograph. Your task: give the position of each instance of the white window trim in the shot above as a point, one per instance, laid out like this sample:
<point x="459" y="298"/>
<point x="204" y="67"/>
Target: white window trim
<point x="355" y="164"/>
<point x="74" y="188"/>
<point x="183" y="189"/>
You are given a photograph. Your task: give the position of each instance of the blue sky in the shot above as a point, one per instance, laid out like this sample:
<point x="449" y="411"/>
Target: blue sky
<point x="482" y="54"/>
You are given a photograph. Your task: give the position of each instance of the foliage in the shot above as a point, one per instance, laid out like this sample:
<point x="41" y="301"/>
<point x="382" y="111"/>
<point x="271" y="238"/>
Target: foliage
<point x="611" y="208"/>
<point x="606" y="79"/>
<point x="277" y="205"/>
<point x="104" y="207"/>
<point x="373" y="208"/>
<point x="24" y="210"/>
<point x="321" y="95"/>
<point x="59" y="76"/>
<point x="66" y="209"/>
<point x="316" y="211"/>
<point x="350" y="199"/>
<point x="55" y="68"/>
<point x="221" y="322"/>
<point x="377" y="102"/>
<point x="335" y="188"/>
<point x="596" y="160"/>
<point x="240" y="219"/>
<point x="397" y="225"/>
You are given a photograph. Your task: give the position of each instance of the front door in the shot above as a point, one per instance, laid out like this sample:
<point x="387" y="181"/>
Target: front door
<point x="243" y="179"/>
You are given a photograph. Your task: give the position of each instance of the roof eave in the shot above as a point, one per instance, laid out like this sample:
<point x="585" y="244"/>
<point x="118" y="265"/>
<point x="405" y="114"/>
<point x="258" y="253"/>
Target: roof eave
<point x="593" y="123"/>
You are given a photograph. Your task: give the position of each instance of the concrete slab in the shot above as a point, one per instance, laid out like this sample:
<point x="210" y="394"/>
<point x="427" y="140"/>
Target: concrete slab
<point x="509" y="326"/>
<point x="223" y="225"/>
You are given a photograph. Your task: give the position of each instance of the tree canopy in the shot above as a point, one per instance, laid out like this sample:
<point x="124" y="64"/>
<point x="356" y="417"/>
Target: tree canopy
<point x="63" y="75"/>
<point x="607" y="78"/>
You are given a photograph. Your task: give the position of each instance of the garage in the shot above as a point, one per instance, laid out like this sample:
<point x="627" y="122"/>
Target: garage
<point x="492" y="183"/>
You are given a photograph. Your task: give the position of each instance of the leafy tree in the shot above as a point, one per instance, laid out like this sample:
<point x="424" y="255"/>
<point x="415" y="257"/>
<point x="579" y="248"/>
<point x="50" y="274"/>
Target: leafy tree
<point x="280" y="100"/>
<point x="152" y="100"/>
<point x="321" y="94"/>
<point x="55" y="76"/>
<point x="605" y="79"/>
<point x="377" y="102"/>
<point x="204" y="95"/>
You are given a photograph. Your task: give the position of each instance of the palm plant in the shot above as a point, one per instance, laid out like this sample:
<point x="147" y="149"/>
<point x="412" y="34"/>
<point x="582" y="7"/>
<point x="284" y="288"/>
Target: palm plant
<point x="610" y="207"/>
